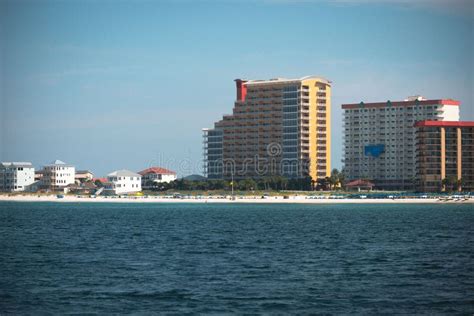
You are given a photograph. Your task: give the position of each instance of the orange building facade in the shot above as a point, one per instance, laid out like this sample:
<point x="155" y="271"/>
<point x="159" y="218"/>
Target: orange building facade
<point x="277" y="127"/>
<point x="445" y="155"/>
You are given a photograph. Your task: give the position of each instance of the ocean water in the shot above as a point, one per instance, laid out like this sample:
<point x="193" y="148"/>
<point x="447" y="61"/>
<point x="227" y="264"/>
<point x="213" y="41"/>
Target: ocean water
<point x="236" y="258"/>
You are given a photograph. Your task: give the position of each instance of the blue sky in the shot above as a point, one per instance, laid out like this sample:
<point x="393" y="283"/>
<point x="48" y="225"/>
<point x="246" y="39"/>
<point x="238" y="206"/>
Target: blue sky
<point x="107" y="85"/>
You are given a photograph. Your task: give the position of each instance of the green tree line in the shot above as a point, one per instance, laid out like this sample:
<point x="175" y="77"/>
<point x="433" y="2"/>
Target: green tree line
<point x="276" y="183"/>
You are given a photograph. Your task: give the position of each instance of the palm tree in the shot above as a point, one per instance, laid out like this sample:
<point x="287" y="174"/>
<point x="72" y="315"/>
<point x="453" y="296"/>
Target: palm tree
<point x="449" y="183"/>
<point x="328" y="183"/>
<point x="334" y="179"/>
<point x="453" y="181"/>
<point x="342" y="179"/>
<point x="444" y="183"/>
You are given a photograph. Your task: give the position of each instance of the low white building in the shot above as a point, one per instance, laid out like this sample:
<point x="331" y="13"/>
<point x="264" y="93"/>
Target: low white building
<point x="123" y="181"/>
<point x="155" y="175"/>
<point x="16" y="176"/>
<point x="57" y="175"/>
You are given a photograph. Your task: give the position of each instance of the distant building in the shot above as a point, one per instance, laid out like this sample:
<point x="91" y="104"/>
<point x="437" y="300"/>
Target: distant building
<point x="83" y="176"/>
<point x="58" y="175"/>
<point x="16" y="176"/>
<point x="445" y="150"/>
<point x="123" y="181"/>
<point x="155" y="175"/>
<point x="359" y="185"/>
<point x="278" y="127"/>
<point x="212" y="150"/>
<point x="379" y="138"/>
<point x="82" y="188"/>
<point x="39" y="175"/>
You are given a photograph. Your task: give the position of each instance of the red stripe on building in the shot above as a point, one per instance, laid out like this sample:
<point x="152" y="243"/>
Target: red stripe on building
<point x="241" y="89"/>
<point x="444" y="124"/>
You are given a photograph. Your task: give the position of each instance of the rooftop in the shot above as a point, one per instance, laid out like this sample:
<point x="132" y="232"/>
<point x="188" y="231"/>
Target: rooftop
<point x="16" y="164"/>
<point x="359" y="182"/>
<point x="157" y="170"/>
<point x="103" y="180"/>
<point x="284" y="80"/>
<point x="83" y="171"/>
<point x="58" y="163"/>
<point x="411" y="101"/>
<point x="123" y="173"/>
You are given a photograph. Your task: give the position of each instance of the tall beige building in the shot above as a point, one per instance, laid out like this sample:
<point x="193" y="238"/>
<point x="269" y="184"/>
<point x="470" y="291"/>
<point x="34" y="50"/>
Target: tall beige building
<point x="277" y="127"/>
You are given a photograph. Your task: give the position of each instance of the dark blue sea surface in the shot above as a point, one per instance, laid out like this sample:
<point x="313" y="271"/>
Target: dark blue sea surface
<point x="59" y="258"/>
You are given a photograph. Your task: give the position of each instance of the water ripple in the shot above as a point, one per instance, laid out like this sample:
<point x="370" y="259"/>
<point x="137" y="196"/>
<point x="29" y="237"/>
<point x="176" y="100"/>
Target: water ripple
<point x="245" y="259"/>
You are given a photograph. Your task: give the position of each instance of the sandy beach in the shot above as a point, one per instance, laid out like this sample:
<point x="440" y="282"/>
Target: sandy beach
<point x="244" y="199"/>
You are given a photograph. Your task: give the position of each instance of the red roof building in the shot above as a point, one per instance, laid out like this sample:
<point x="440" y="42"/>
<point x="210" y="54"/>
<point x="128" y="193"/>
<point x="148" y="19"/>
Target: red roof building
<point x="102" y="180"/>
<point x="360" y="184"/>
<point x="153" y="176"/>
<point x="156" y="170"/>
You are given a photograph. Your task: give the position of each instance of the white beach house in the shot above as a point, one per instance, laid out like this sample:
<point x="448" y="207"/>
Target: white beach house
<point x="57" y="175"/>
<point x="123" y="181"/>
<point x="16" y="176"/>
<point x="155" y="175"/>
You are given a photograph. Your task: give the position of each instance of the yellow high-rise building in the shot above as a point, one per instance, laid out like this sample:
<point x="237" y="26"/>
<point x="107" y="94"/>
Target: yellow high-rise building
<point x="278" y="127"/>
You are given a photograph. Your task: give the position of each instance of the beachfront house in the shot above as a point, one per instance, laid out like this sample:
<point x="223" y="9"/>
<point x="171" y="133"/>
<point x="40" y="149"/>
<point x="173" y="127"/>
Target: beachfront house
<point x="58" y="175"/>
<point x="83" y="176"/>
<point x="123" y="182"/>
<point x="16" y="176"/>
<point x="153" y="176"/>
<point x="88" y="187"/>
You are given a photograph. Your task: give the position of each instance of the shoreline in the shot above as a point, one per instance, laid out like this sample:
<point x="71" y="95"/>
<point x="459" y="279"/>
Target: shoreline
<point x="238" y="200"/>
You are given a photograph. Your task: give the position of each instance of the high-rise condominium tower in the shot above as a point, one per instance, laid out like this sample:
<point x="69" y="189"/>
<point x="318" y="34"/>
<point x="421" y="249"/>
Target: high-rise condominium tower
<point x="380" y="138"/>
<point x="278" y="127"/>
<point x="445" y="155"/>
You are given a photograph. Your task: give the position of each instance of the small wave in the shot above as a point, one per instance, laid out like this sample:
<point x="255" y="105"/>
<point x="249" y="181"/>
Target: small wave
<point x="175" y="294"/>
